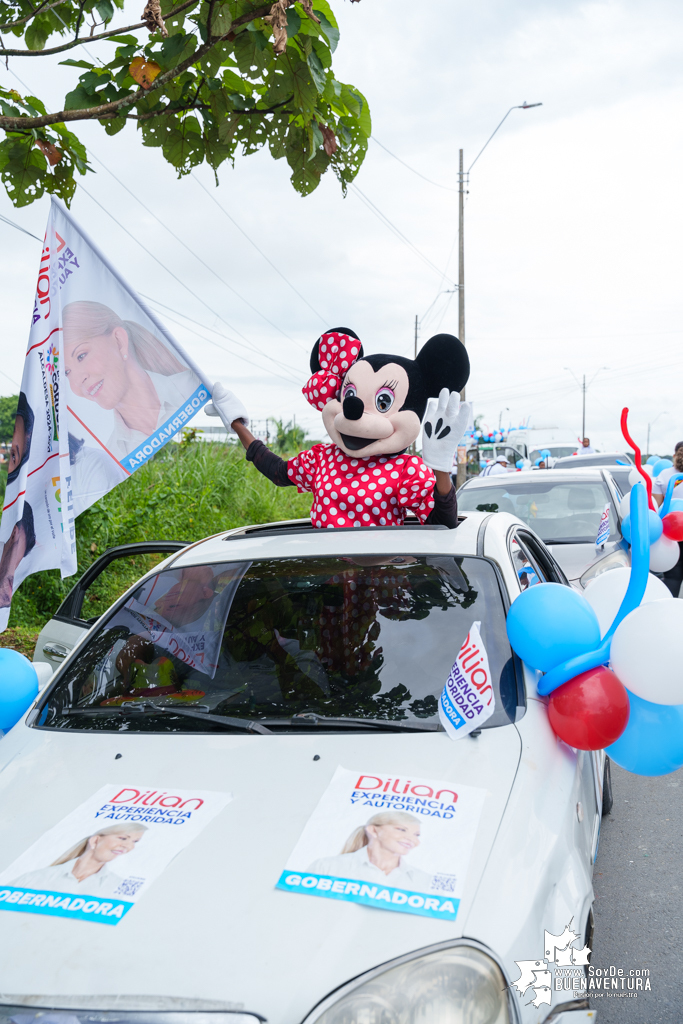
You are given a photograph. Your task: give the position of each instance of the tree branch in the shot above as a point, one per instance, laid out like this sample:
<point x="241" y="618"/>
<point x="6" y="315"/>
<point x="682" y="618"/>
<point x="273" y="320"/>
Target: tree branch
<point x="90" y="39"/>
<point x="39" y="8"/>
<point x="104" y="109"/>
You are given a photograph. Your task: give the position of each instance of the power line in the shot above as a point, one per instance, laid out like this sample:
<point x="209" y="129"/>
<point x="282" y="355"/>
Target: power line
<point x="176" y="278"/>
<point x="260" y="251"/>
<point x="239" y="355"/>
<point x="197" y="257"/>
<point x="429" y="180"/>
<point x="399" y="234"/>
<point x="23" y="230"/>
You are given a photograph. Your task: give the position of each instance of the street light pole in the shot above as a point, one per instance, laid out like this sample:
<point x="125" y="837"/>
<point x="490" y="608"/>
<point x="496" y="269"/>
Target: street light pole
<point x="463" y="180"/>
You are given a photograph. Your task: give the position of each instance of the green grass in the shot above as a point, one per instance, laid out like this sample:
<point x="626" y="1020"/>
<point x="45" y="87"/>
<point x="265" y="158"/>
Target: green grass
<point x="184" y="493"/>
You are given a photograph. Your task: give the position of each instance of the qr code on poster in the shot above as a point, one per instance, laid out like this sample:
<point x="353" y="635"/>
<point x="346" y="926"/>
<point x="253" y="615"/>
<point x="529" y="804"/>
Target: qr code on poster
<point x="129" y="886"/>
<point x="444" y="883"/>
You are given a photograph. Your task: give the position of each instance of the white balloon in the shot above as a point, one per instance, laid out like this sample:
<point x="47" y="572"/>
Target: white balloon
<point x="646" y="652"/>
<point x="664" y="554"/>
<point x="634" y="476"/>
<point x="625" y="505"/>
<point x="606" y="592"/>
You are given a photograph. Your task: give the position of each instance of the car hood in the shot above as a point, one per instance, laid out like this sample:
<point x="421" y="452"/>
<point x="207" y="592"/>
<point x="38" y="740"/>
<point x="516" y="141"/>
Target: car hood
<point x="213" y="926"/>
<point x="576" y="558"/>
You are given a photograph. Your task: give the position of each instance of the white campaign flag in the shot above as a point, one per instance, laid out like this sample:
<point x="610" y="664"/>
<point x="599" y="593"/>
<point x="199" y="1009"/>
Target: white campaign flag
<point x="467" y="699"/>
<point x="603" y="527"/>
<point x="104" y="387"/>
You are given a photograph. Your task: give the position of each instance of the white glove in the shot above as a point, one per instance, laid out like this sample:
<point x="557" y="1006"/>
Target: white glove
<point x="444" y="426"/>
<point x="226" y="405"/>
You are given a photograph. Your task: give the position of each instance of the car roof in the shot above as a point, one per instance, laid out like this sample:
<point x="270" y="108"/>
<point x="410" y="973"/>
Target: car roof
<point x="556" y="476"/>
<point x="296" y="538"/>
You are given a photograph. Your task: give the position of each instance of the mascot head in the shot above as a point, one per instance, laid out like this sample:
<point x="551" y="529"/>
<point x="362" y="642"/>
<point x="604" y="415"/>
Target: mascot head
<point x="373" y="405"/>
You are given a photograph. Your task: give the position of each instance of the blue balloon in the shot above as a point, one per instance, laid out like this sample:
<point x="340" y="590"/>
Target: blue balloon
<point x="651" y="461"/>
<point x="18" y="686"/>
<point x="652" y="743"/>
<point x="520" y="464"/>
<point x="654" y="523"/>
<point x="548" y="624"/>
<point x="661" y="465"/>
<point x="545" y="454"/>
<point x="676" y="505"/>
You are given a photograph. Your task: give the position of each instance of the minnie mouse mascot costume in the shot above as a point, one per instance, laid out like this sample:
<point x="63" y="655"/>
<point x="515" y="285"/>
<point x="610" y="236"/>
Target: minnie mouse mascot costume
<point x="372" y="408"/>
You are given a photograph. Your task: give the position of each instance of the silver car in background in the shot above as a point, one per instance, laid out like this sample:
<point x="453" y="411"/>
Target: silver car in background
<point x="564" y="508"/>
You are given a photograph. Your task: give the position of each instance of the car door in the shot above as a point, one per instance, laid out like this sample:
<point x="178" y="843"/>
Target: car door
<point x="535" y="564"/>
<point x="99" y="586"/>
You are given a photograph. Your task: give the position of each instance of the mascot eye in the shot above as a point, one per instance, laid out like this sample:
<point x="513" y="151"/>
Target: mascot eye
<point x="384" y="399"/>
<point x="349" y="391"/>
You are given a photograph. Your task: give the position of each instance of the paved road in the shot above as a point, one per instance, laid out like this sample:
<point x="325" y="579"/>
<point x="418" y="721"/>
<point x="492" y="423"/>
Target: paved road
<point x="638" y="886"/>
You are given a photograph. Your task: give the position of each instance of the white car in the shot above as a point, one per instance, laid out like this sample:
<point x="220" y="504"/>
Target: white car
<point x="295" y="694"/>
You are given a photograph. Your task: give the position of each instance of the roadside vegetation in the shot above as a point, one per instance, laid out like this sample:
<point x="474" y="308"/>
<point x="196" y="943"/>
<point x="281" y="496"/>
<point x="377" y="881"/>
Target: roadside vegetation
<point x="188" y="491"/>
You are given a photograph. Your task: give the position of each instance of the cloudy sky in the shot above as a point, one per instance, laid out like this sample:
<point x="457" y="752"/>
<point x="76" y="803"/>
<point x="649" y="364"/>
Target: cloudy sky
<point x="573" y="219"/>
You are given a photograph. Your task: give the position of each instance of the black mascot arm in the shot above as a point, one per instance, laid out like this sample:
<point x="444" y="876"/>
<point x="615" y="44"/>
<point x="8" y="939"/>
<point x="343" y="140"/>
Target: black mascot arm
<point x="445" y="511"/>
<point x="268" y="463"/>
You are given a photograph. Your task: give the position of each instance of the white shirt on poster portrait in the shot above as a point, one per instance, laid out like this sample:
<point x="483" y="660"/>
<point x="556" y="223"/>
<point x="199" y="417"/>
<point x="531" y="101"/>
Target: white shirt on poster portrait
<point x="358" y="866"/>
<point x="60" y="878"/>
<point x="93" y="473"/>
<point x="172" y="392"/>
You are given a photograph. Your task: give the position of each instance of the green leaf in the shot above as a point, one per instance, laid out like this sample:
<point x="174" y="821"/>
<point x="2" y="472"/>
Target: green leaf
<point x="184" y="146"/>
<point x="36" y="35"/>
<point x="299" y="82"/>
<point x="317" y="71"/>
<point x="329" y="30"/>
<point x="80" y="99"/>
<point x="293" y="22"/>
<point x="125" y="40"/>
<point x="113" y="125"/>
<point x="227" y="129"/>
<point x="77" y="63"/>
<point x="24" y="171"/>
<point x="222" y="19"/>
<point x="249" y="55"/>
<point x="105" y="10"/>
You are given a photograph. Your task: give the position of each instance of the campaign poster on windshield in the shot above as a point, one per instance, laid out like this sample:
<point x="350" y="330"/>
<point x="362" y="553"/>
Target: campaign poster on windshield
<point x="104" y="387"/>
<point x="96" y="863"/>
<point x="388" y="841"/>
<point x="467" y="700"/>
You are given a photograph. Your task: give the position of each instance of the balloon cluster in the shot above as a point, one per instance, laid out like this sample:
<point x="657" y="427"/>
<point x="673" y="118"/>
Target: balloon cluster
<point x="606" y="690"/>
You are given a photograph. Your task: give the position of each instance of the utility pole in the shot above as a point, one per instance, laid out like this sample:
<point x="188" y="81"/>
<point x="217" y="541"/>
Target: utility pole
<point x="461" y="474"/>
<point x="583" y="417"/>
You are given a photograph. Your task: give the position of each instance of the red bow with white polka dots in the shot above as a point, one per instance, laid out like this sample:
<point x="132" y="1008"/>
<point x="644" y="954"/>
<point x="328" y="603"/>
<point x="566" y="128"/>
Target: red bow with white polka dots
<point x="336" y="352"/>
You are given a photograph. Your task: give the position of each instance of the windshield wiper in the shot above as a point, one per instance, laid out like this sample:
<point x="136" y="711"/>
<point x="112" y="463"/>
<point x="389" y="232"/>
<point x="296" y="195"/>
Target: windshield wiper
<point x="245" y="724"/>
<point x="376" y="724"/>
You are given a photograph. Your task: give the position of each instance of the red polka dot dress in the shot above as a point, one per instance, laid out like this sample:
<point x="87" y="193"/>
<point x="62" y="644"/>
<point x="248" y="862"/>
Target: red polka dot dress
<point x="374" y="491"/>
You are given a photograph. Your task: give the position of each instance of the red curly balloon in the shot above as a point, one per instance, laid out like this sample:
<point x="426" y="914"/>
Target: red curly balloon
<point x="639" y="459"/>
<point x="590" y="711"/>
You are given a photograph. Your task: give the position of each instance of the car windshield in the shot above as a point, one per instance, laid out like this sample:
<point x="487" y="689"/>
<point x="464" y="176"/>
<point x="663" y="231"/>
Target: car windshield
<point x="358" y="637"/>
<point x="566" y="512"/>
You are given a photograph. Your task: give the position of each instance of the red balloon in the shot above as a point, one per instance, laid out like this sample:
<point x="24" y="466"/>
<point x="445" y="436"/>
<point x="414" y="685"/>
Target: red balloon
<point x="590" y="711"/>
<point x="672" y="524"/>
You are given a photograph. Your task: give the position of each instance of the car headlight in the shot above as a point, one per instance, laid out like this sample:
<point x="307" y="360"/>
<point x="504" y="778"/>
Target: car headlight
<point x="458" y="985"/>
<point x="616" y="560"/>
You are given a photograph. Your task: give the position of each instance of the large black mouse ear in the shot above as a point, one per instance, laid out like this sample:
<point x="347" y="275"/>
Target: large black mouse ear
<point x="315" y="353"/>
<point x="443" y="363"/>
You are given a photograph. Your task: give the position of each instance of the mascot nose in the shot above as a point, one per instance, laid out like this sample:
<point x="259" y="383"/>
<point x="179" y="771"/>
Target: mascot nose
<point x="353" y="407"/>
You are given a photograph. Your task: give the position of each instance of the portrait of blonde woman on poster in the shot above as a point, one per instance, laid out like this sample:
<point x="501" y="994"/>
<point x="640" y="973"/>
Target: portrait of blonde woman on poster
<point x="85" y="866"/>
<point x="377" y="852"/>
<point x="121" y="366"/>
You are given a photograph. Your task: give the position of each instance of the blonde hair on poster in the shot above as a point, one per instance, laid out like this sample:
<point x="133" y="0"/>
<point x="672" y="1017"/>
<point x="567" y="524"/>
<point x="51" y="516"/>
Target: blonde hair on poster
<point x="81" y="846"/>
<point x="359" y="837"/>
<point x="85" y="319"/>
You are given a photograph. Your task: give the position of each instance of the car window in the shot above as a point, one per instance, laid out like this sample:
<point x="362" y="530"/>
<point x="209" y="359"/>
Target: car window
<point x="557" y="451"/>
<point x="368" y="637"/>
<point x="528" y="571"/>
<point x="115" y="580"/>
<point x="566" y="512"/>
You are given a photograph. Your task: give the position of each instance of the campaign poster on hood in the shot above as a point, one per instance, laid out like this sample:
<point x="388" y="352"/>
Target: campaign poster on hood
<point x="388" y="841"/>
<point x="104" y="387"/>
<point x="97" y="862"/>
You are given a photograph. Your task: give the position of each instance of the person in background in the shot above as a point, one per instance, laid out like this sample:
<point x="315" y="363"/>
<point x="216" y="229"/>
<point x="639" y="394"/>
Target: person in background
<point x="586" y="447"/>
<point x="496" y="468"/>
<point x="672" y="577"/>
